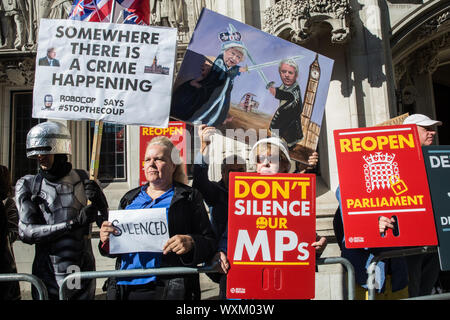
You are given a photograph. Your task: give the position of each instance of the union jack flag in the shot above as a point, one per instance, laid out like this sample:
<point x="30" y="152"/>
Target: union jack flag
<point x="134" y="12"/>
<point x="130" y="17"/>
<point x="91" y="10"/>
<point x="77" y="9"/>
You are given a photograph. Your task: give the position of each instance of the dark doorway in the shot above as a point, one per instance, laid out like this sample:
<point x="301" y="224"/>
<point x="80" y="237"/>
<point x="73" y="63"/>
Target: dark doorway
<point x="442" y="105"/>
<point x="21" y="123"/>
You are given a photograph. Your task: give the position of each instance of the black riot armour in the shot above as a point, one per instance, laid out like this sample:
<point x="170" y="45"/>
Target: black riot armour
<point x="44" y="220"/>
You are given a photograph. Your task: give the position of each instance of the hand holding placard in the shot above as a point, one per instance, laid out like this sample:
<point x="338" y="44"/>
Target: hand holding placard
<point x="179" y="244"/>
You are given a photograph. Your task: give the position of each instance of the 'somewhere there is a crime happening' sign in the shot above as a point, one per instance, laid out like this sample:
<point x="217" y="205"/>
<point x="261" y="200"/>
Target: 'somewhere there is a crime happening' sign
<point x="119" y="73"/>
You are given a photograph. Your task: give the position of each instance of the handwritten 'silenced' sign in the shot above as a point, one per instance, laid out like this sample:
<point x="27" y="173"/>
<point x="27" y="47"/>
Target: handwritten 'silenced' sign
<point x="104" y="71"/>
<point x="141" y="230"/>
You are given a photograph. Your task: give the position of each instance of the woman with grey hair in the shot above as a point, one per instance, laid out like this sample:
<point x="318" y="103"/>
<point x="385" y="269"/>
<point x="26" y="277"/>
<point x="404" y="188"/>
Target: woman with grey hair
<point x="191" y="238"/>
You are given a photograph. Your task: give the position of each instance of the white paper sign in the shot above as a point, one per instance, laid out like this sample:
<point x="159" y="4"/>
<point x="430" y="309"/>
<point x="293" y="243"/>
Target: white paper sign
<point x="119" y="73"/>
<point x="141" y="230"/>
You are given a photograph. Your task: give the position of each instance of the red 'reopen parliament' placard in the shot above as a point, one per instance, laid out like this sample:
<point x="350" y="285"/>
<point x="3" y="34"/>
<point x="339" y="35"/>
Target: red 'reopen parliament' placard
<point x="382" y="173"/>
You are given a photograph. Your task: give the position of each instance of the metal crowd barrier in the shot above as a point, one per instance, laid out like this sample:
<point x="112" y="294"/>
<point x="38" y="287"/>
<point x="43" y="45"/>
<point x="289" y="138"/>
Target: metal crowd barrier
<point x="130" y="273"/>
<point x="440" y="296"/>
<point x="35" y="281"/>
<point x="350" y="272"/>
<point x="392" y="254"/>
<point x="184" y="270"/>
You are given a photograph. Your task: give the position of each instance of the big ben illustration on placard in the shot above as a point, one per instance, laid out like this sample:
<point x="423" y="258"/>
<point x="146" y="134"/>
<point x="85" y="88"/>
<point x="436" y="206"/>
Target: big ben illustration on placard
<point x="311" y="89"/>
<point x="311" y="130"/>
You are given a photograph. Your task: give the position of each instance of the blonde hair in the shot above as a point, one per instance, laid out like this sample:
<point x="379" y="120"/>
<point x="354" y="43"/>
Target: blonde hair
<point x="179" y="175"/>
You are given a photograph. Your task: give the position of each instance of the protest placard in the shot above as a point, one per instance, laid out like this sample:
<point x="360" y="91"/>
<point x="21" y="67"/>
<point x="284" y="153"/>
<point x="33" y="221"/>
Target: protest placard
<point x="140" y="230"/>
<point x="235" y="76"/>
<point x="393" y="121"/>
<point x="119" y="73"/>
<point x="176" y="132"/>
<point x="271" y="225"/>
<point x="382" y="174"/>
<point x="437" y="163"/>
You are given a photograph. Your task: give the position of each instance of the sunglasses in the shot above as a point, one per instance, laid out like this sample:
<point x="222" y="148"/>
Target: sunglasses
<point x="267" y="158"/>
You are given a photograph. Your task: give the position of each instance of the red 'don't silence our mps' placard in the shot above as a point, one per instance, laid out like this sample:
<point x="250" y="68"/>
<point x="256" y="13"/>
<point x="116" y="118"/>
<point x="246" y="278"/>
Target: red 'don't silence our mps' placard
<point x="176" y="132"/>
<point x="382" y="173"/>
<point x="271" y="226"/>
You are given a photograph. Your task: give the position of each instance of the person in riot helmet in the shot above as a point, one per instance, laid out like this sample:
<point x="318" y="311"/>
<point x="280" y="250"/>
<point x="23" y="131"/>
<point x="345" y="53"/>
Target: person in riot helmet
<point x="53" y="211"/>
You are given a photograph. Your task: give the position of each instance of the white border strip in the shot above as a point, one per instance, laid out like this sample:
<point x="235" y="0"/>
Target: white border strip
<point x="385" y="211"/>
<point x="374" y="131"/>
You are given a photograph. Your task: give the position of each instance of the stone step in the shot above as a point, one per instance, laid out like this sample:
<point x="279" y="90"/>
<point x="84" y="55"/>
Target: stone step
<point x="323" y="223"/>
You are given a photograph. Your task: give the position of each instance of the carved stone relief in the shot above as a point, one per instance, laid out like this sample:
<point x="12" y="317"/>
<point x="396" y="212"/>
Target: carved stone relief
<point x="13" y="19"/>
<point x="19" y="25"/>
<point x="17" y="72"/>
<point x="19" y="19"/>
<point x="424" y="60"/>
<point x="180" y="14"/>
<point x="299" y="17"/>
<point x="433" y="25"/>
<point x="422" y="46"/>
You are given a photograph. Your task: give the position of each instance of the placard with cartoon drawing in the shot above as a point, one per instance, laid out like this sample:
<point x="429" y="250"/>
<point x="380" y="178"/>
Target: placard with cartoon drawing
<point x="236" y="76"/>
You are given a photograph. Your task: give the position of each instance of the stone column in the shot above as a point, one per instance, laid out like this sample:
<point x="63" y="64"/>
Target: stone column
<point x="371" y="62"/>
<point x="233" y="8"/>
<point x="425" y="95"/>
<point x="79" y="132"/>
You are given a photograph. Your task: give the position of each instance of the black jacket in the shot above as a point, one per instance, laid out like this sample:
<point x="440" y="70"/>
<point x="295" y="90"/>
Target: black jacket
<point x="215" y="195"/>
<point x="8" y="234"/>
<point x="187" y="215"/>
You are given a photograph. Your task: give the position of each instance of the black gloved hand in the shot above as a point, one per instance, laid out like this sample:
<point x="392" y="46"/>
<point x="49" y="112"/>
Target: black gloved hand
<point x="36" y="199"/>
<point x="86" y="216"/>
<point x="95" y="194"/>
